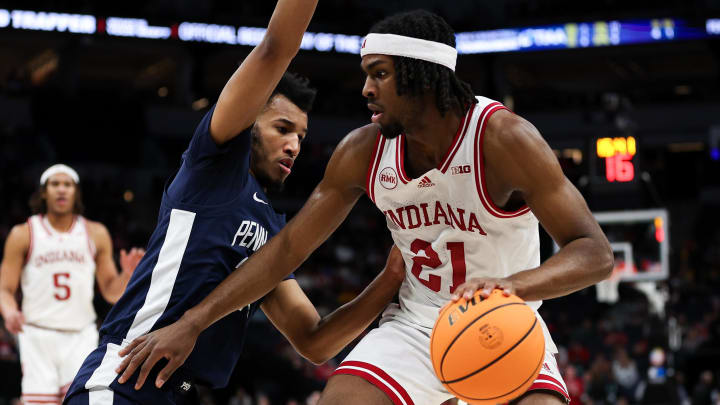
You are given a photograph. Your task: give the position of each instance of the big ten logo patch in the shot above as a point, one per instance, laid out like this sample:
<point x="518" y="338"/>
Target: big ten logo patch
<point x="388" y="178"/>
<point x="463" y="169"/>
<point x="490" y="336"/>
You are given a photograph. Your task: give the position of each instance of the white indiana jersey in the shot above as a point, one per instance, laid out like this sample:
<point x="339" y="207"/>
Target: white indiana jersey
<point x="58" y="279"/>
<point x="445" y="223"/>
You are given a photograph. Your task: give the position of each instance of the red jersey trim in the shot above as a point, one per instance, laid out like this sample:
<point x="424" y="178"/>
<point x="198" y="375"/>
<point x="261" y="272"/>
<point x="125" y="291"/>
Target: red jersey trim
<point x="400" y="159"/>
<point x="91" y="244"/>
<point x="480" y="167"/>
<point x="382" y="383"/>
<point x="52" y="231"/>
<point x="374" y="163"/>
<point x="72" y="227"/>
<point x="41" y="219"/>
<point x="457" y="141"/>
<point x="30" y="246"/>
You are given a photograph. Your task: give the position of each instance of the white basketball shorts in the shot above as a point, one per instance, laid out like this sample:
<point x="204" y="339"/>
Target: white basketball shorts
<point x="395" y="357"/>
<point x="50" y="359"/>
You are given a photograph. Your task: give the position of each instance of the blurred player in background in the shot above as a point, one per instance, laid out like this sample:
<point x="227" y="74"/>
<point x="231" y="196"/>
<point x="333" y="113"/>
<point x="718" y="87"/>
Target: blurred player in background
<point x="462" y="183"/>
<point x="55" y="258"/>
<point x="214" y="214"/>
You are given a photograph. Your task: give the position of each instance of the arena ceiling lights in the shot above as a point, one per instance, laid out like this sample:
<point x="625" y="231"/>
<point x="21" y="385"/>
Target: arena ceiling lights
<point x="564" y="36"/>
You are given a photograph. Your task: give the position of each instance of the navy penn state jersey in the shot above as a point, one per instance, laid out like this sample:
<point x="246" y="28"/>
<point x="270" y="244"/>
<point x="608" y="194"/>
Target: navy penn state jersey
<point x="214" y="215"/>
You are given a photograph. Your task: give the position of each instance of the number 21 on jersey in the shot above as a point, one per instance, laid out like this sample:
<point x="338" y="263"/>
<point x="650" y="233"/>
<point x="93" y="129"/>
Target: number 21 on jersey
<point x="434" y="281"/>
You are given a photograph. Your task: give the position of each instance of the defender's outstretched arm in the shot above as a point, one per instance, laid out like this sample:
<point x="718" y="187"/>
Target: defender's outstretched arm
<point x="250" y="86"/>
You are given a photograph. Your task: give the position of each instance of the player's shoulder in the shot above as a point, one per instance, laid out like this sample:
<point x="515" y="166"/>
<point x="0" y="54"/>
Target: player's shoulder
<point x="96" y="229"/>
<point x="21" y="230"/>
<point x="19" y="236"/>
<point x="358" y="145"/>
<point x="360" y="140"/>
<point x="511" y="132"/>
<point x="351" y="158"/>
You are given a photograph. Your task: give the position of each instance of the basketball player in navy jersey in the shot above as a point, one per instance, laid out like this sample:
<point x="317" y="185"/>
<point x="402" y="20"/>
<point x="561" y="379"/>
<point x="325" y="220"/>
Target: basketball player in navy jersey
<point x="463" y="183"/>
<point x="214" y="214"/>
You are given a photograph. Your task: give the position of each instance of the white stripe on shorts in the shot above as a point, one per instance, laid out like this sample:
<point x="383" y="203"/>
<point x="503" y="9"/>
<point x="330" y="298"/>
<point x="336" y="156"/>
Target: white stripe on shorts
<point x="101" y="396"/>
<point x="105" y="373"/>
<point x="377" y="377"/>
<point x="165" y="272"/>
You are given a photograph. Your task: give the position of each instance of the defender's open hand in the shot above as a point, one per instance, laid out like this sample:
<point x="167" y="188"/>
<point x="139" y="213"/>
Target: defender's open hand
<point x="173" y="342"/>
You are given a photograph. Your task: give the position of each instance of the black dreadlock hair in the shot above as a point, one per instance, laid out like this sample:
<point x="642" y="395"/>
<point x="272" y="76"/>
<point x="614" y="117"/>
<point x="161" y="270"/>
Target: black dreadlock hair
<point x="414" y="76"/>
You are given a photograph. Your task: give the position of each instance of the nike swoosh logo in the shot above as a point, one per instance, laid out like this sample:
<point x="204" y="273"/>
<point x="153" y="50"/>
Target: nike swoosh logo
<point x="255" y="197"/>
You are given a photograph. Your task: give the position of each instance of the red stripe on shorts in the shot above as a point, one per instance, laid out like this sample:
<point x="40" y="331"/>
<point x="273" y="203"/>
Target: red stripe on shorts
<point x="380" y="373"/>
<point x="551" y="379"/>
<point x="372" y="380"/>
<point x="550" y="387"/>
<point x="40" y="395"/>
<point x="41" y="398"/>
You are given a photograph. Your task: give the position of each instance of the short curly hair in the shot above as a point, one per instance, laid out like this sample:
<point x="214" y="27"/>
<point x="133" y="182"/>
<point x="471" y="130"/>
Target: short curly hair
<point x="297" y="89"/>
<point x="415" y="77"/>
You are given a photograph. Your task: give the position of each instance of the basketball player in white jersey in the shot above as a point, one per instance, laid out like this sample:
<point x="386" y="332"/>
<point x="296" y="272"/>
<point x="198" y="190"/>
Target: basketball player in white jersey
<point x="462" y="182"/>
<point x="55" y="257"/>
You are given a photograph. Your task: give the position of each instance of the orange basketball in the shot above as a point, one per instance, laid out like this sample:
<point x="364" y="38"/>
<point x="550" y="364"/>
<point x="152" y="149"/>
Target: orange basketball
<point x="487" y="351"/>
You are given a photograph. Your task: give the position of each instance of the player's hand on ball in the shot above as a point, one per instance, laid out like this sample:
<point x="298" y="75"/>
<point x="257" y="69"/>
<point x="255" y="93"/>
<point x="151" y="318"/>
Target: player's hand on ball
<point x="173" y="342"/>
<point x="485" y="285"/>
<point x="14" y="321"/>
<point x="130" y="260"/>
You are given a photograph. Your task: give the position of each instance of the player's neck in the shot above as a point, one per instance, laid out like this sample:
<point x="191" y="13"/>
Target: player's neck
<point x="60" y="222"/>
<point x="262" y="186"/>
<point x="428" y="139"/>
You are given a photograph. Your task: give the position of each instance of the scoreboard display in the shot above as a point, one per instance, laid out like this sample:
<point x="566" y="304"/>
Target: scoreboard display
<point x="617" y="155"/>
<point x="584" y="35"/>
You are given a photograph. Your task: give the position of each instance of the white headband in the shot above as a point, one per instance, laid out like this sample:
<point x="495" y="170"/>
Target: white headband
<point x="59" y="168"/>
<point x="398" y="45"/>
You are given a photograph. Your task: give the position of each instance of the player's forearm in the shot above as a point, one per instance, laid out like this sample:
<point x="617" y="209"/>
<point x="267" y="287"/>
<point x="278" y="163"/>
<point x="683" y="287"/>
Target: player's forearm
<point x="342" y="326"/>
<point x="7" y="302"/>
<point x="247" y="284"/>
<point x="579" y="264"/>
<point x="115" y="288"/>
<point x="323" y="212"/>
<point x="287" y="26"/>
<point x="252" y="83"/>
